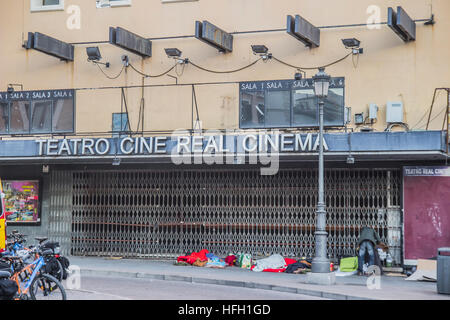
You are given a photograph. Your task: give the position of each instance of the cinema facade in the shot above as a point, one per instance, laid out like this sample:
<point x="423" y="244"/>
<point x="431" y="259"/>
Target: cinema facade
<point x="92" y="157"/>
<point x="161" y="196"/>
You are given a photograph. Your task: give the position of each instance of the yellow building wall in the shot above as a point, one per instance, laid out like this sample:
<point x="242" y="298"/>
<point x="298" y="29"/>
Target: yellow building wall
<point x="388" y="70"/>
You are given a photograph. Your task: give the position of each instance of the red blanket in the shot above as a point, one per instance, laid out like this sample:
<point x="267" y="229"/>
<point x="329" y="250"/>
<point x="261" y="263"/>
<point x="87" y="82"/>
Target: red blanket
<point x="194" y="256"/>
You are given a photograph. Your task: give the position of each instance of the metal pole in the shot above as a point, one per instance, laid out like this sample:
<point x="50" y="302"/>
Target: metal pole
<point x="320" y="263"/>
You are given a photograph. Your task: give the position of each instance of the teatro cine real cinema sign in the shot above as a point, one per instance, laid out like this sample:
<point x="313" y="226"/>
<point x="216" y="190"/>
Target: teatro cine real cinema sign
<point x="182" y="145"/>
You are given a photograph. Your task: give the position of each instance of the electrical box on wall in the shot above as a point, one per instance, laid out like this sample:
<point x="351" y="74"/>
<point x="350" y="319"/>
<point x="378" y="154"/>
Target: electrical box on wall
<point x="394" y="112"/>
<point x="373" y="110"/>
<point x="359" y="118"/>
<point x="347" y="115"/>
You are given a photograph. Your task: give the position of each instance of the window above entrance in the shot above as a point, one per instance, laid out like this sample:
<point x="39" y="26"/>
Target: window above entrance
<point x="34" y="112"/>
<point x="289" y="103"/>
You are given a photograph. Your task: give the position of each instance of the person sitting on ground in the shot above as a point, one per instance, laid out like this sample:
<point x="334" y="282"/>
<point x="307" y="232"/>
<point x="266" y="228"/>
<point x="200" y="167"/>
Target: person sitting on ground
<point x="368" y="239"/>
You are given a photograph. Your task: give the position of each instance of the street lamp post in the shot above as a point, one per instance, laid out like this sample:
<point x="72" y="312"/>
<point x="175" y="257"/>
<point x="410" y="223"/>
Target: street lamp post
<point x="321" y="263"/>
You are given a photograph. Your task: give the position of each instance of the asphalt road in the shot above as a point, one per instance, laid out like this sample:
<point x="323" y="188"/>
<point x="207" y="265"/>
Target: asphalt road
<point x="109" y="288"/>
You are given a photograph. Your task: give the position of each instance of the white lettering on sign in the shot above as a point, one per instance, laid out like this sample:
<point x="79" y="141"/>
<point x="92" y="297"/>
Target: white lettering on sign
<point x="248" y="86"/>
<point x="274" y="85"/>
<point x="211" y="144"/>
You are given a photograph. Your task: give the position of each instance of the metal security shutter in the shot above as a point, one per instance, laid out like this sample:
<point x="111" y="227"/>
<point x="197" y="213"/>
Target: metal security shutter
<point x="166" y="213"/>
<point x="60" y="209"/>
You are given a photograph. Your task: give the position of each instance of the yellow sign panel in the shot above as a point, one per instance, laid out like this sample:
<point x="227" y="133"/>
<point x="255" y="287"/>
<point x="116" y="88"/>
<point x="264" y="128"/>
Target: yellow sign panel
<point x="2" y="234"/>
<point x="2" y="220"/>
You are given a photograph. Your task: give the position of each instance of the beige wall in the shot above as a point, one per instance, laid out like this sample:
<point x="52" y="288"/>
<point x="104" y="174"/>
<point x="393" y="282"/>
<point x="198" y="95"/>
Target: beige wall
<point x="389" y="69"/>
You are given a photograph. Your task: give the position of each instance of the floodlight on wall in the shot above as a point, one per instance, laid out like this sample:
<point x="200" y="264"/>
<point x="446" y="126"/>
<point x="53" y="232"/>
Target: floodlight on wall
<point x="94" y="55"/>
<point x="175" y="53"/>
<point x="354" y="44"/>
<point x="262" y="51"/>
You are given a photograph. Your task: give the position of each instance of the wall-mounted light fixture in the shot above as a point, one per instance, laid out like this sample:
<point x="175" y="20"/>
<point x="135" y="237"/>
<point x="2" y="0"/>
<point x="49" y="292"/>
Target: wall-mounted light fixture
<point x="175" y="53"/>
<point x="262" y="51"/>
<point x="94" y="55"/>
<point x="354" y="44"/>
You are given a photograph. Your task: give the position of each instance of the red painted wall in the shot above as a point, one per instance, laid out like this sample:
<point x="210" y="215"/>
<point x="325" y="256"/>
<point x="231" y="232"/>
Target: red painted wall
<point x="426" y="192"/>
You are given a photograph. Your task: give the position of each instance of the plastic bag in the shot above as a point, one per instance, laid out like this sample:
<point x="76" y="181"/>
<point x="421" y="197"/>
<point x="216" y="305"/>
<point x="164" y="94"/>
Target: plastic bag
<point x="245" y="261"/>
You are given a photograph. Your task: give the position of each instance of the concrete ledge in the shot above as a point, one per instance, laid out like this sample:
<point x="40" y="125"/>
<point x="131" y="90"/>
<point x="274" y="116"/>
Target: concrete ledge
<point x="177" y="278"/>
<point x="204" y="280"/>
<point x="309" y="292"/>
<point x="149" y="276"/>
<point x="325" y="279"/>
<point x="334" y="296"/>
<point x="284" y="289"/>
<point x="261" y="286"/>
<point x="233" y="283"/>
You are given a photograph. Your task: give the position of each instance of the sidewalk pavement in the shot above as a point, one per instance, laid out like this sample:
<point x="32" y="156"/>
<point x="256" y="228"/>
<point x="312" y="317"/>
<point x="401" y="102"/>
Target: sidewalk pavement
<point x="346" y="288"/>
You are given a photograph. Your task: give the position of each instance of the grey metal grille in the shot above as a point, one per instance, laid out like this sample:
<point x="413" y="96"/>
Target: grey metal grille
<point x="162" y="214"/>
<point x="60" y="209"/>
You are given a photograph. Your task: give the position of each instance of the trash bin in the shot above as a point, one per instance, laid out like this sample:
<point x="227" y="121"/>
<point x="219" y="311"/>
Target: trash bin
<point x="443" y="270"/>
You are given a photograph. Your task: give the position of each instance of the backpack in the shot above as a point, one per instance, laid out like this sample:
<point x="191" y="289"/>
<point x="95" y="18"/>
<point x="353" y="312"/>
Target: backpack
<point x="4" y="266"/>
<point x="65" y="264"/>
<point x="51" y="266"/>
<point x="8" y="289"/>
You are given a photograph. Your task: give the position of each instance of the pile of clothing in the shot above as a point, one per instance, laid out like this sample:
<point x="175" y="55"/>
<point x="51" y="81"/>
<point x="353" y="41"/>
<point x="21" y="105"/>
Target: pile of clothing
<point x="273" y="263"/>
<point x="203" y="258"/>
<point x="276" y="263"/>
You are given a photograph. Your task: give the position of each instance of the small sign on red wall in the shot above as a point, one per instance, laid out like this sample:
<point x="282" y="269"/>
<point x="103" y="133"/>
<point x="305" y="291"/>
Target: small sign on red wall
<point x="426" y="204"/>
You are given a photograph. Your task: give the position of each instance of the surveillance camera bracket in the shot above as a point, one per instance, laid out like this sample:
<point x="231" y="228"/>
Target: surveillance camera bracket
<point x="107" y="64"/>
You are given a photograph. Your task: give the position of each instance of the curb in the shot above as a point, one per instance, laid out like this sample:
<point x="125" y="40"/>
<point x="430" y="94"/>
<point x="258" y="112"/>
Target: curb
<point x="232" y="283"/>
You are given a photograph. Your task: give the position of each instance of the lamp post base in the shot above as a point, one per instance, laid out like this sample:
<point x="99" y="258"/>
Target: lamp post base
<point x="320" y="265"/>
<point x="324" y="279"/>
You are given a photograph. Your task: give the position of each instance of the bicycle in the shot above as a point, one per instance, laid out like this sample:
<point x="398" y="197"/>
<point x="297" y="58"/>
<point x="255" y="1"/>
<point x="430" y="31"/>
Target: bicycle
<point x="53" y="264"/>
<point x="30" y="280"/>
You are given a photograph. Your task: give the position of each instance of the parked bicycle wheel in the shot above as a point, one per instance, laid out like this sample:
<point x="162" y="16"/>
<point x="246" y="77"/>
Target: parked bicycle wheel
<point x="47" y="287"/>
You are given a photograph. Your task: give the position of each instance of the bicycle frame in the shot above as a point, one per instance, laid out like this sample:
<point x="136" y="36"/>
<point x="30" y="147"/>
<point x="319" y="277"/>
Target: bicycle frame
<point x="32" y="268"/>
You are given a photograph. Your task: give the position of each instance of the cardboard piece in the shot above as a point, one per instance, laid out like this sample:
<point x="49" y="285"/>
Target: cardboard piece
<point x="426" y="271"/>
